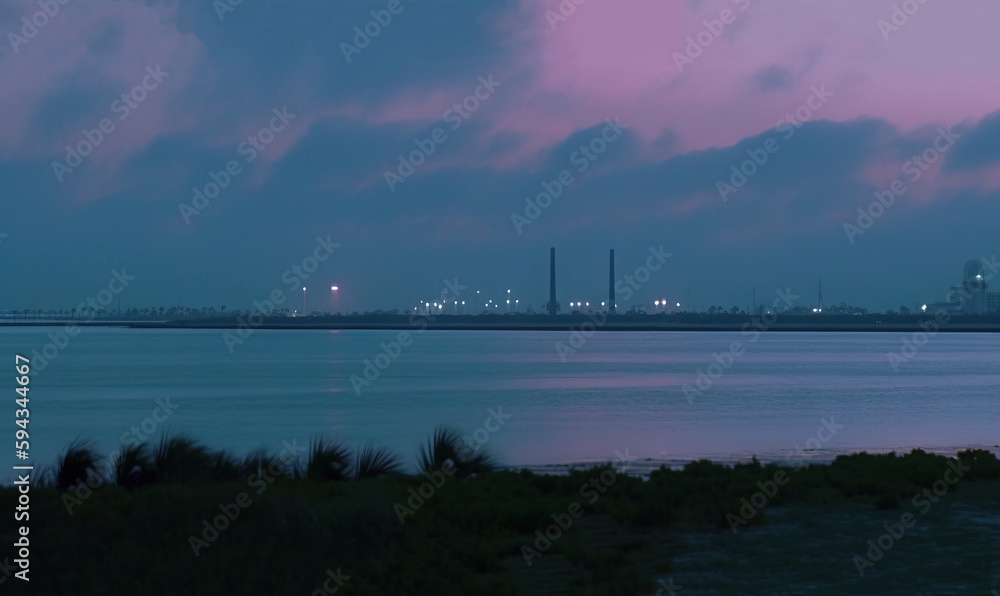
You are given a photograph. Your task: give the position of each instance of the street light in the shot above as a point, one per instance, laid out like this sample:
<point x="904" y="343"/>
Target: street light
<point x="303" y="300"/>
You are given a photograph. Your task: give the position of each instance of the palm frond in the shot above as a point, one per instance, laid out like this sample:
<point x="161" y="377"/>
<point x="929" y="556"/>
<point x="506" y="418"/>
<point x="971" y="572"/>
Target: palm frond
<point x="373" y="461"/>
<point x="181" y="459"/>
<point x="75" y="464"/>
<point x="134" y="466"/>
<point x="261" y="464"/>
<point x="328" y="460"/>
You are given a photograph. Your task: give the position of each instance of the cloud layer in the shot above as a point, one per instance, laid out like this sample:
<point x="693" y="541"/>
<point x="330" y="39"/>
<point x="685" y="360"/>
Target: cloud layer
<point x="701" y="87"/>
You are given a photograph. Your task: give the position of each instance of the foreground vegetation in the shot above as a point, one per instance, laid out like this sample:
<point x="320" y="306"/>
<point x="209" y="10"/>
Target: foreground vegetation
<point x="179" y="518"/>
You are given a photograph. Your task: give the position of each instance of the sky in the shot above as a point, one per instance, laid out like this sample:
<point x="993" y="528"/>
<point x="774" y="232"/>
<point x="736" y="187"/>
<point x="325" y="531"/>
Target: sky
<point x="209" y="148"/>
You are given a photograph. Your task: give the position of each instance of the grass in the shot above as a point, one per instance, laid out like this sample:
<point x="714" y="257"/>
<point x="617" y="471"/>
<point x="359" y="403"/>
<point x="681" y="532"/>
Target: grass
<point x="469" y="534"/>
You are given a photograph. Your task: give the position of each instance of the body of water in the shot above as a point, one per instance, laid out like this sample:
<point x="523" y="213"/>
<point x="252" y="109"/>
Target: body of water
<point x="618" y="392"/>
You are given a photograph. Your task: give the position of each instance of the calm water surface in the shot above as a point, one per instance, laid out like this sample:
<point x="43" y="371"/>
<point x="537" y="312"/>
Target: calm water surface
<point x="619" y="392"/>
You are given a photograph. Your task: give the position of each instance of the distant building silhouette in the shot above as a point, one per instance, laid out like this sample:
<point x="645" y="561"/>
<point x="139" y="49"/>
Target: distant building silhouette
<point x="552" y="306"/>
<point x="970" y="298"/>
<point x="974" y="286"/>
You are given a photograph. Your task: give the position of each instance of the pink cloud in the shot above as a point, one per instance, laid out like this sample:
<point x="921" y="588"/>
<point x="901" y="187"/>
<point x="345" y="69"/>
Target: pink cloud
<point x="616" y="58"/>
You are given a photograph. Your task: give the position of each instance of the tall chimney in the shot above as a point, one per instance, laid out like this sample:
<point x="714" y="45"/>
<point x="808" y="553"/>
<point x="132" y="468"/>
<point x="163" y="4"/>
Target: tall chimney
<point x="611" y="285"/>
<point x="552" y="282"/>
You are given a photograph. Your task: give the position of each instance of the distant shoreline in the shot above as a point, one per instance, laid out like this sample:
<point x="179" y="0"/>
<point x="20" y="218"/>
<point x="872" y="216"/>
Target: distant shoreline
<point x="584" y="323"/>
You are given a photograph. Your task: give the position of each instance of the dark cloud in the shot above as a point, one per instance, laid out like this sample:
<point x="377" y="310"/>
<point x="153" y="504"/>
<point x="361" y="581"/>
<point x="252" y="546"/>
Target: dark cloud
<point x="773" y="77"/>
<point x="978" y="147"/>
<point x="452" y="216"/>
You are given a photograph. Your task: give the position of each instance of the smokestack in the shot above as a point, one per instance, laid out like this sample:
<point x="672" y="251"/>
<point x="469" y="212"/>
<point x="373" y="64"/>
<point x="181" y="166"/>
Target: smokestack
<point x="552" y="282"/>
<point x="611" y="285"/>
